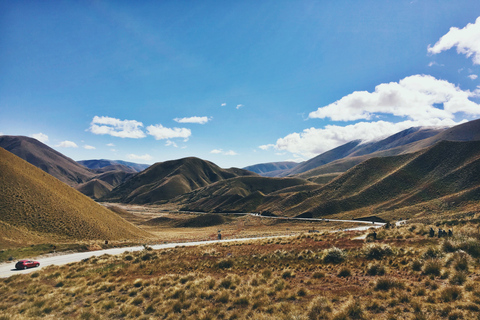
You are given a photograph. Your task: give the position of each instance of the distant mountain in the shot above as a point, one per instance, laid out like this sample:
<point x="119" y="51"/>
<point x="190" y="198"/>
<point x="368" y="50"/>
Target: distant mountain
<point x="37" y="207"/>
<point x="47" y="159"/>
<point x="271" y="168"/>
<point x="356" y="148"/>
<point x="166" y="180"/>
<point x="407" y="141"/>
<point x="102" y="163"/>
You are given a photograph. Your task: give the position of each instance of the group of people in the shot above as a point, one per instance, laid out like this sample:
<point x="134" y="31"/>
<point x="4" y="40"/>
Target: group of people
<point x="441" y="233"/>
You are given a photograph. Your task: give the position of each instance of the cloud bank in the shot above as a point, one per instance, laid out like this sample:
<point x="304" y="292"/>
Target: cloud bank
<point x="467" y="41"/>
<point x="415" y="97"/>
<point x="116" y="127"/>
<point x="421" y="100"/>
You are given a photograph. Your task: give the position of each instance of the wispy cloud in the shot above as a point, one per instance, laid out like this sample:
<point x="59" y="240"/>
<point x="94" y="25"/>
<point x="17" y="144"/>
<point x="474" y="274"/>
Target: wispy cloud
<point x="473" y="76"/>
<point x="225" y="153"/>
<point x="116" y="127"/>
<point x="239" y="106"/>
<point x="169" y="143"/>
<point x="67" y="144"/>
<point x="40" y="137"/>
<point x="145" y="157"/>
<point x="160" y="132"/>
<point x="199" y="120"/>
<point x="223" y="104"/>
<point x="110" y="145"/>
<point x="89" y="147"/>
<point x="466" y="40"/>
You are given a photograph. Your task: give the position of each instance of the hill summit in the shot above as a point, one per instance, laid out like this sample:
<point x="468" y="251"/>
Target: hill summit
<point x="166" y="180"/>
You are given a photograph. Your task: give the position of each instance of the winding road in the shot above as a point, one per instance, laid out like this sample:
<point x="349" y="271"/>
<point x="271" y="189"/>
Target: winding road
<point x="8" y="269"/>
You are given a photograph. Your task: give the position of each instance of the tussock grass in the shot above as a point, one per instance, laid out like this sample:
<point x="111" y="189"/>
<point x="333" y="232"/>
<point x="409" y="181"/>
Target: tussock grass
<point x="287" y="279"/>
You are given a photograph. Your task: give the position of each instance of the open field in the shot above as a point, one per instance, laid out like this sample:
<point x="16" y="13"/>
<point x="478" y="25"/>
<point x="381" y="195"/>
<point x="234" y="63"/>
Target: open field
<point x="405" y="274"/>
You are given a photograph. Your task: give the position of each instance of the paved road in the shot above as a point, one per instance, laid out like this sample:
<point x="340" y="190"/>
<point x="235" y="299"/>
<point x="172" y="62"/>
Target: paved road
<point x="8" y="269"/>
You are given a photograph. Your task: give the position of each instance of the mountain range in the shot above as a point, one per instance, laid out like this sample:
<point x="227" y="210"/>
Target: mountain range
<point x="415" y="165"/>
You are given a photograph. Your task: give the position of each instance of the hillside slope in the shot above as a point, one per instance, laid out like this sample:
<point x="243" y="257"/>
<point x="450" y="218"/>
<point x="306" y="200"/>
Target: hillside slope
<point x="445" y="169"/>
<point x="407" y="141"/>
<point x="39" y="204"/>
<point x="350" y="154"/>
<point x="240" y="194"/>
<point x="166" y="180"/>
<point x="47" y="159"/>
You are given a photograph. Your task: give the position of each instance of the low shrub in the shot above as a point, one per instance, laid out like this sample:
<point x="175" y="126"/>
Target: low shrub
<point x="334" y="255"/>
<point x="451" y="293"/>
<point x="377" y="251"/>
<point x="385" y="284"/>
<point x="375" y="270"/>
<point x="319" y="308"/>
<point x="344" y="272"/>
<point x="458" y="278"/>
<point x="432" y="267"/>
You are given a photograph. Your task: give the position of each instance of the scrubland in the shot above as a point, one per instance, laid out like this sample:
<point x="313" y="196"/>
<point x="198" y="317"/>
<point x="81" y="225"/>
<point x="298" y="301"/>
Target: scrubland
<point x="404" y="274"/>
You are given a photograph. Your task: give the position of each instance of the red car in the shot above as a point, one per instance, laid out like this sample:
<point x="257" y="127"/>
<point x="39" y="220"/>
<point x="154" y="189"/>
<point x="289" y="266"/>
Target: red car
<point x="24" y="264"/>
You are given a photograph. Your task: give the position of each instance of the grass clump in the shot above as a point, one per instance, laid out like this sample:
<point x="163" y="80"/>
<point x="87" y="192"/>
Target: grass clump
<point x="334" y="255"/>
<point x="377" y="251"/>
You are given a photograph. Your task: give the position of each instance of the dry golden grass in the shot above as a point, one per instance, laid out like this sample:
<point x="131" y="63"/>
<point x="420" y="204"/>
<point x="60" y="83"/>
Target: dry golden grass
<point x="287" y="278"/>
<point x="45" y="208"/>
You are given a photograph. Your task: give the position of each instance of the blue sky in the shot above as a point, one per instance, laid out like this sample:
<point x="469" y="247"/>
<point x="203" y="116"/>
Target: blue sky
<point x="233" y="82"/>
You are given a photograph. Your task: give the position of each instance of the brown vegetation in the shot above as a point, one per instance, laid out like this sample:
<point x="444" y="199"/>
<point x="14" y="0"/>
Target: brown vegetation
<point x="287" y="278"/>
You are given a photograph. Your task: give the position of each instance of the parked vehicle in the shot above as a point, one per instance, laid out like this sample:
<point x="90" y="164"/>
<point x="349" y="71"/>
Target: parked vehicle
<point x="24" y="264"/>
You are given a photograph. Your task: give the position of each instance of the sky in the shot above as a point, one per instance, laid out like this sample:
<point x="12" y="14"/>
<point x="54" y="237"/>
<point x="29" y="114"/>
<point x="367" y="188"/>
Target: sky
<point x="233" y="82"/>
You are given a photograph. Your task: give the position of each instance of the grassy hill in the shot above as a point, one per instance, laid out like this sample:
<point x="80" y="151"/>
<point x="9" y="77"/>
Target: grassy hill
<point x="241" y="194"/>
<point x="47" y="159"/>
<point x="166" y="180"/>
<point x="35" y="206"/>
<point x="445" y="169"/>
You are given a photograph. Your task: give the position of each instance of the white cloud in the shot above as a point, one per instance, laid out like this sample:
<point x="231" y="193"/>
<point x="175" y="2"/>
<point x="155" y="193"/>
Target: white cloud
<point x="230" y="153"/>
<point x="89" y="147"/>
<point x="145" y="157"/>
<point x="40" y="137"/>
<point x="67" y="144"/>
<point x="223" y="104"/>
<point x="421" y="100"/>
<point x="116" y="127"/>
<point x="160" y="132"/>
<point x="467" y="41"/>
<point x="110" y="145"/>
<point x="415" y="97"/>
<point x="312" y="142"/>
<point x="239" y="106"/>
<point x="473" y="76"/>
<point x="225" y="153"/>
<point x="171" y="143"/>
<point x="199" y="120"/>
